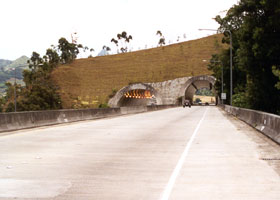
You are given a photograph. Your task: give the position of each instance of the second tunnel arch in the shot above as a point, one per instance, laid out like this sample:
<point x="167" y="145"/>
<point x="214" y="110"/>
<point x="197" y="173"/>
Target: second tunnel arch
<point x="195" y="83"/>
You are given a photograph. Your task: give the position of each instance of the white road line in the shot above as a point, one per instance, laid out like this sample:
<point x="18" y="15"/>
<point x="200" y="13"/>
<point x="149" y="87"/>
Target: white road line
<point x="171" y="182"/>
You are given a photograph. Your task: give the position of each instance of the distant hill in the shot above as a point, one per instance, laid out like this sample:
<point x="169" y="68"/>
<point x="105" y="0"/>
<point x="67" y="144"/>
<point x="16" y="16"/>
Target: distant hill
<point x="7" y="73"/>
<point x="4" y="63"/>
<point x="90" y="81"/>
<point x="18" y="63"/>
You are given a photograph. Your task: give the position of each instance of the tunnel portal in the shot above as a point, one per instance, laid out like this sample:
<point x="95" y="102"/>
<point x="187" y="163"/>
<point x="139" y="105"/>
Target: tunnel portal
<point x="137" y="97"/>
<point x="138" y="94"/>
<point x="169" y="92"/>
<point x="196" y="83"/>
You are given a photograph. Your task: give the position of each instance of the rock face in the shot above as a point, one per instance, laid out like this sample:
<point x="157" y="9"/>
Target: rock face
<point x="162" y="93"/>
<point x="169" y="91"/>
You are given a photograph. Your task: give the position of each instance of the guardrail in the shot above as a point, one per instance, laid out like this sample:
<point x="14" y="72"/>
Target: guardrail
<point x="23" y="120"/>
<point x="268" y="124"/>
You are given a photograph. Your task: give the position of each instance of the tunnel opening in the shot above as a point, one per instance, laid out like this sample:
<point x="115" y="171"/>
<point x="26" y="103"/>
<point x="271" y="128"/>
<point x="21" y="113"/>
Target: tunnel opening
<point x="200" y="91"/>
<point x="137" y="97"/>
<point x="204" y="96"/>
<point x="137" y="94"/>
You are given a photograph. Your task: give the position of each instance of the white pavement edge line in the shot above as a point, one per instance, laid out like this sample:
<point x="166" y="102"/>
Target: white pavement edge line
<point x="171" y="182"/>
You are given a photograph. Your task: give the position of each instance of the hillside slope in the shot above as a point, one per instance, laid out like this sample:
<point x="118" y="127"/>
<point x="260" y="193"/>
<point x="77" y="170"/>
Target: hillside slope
<point x="7" y="73"/>
<point x="89" y="82"/>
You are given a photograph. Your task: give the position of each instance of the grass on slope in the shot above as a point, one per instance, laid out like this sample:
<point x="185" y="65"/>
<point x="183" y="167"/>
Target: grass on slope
<point x="89" y="82"/>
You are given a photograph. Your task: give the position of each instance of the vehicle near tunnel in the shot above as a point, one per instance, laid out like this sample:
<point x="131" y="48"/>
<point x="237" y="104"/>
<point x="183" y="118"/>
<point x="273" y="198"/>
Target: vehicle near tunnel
<point x="200" y="91"/>
<point x="187" y="103"/>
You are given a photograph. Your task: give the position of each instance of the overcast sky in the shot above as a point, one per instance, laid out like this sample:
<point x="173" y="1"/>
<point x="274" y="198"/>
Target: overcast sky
<point x="34" y="25"/>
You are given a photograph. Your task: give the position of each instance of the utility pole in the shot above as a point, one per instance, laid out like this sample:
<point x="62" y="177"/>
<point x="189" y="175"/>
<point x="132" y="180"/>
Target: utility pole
<point x="230" y="35"/>
<point x="15" y="90"/>
<point x="230" y="65"/>
<point x="222" y="83"/>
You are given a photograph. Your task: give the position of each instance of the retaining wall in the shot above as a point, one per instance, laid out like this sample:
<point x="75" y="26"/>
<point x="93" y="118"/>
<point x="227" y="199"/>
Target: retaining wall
<point x="23" y="120"/>
<point x="268" y="124"/>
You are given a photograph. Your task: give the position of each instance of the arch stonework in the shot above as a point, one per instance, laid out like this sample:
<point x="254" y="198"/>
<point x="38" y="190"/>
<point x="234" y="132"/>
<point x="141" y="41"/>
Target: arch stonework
<point x="195" y="83"/>
<point x="167" y="92"/>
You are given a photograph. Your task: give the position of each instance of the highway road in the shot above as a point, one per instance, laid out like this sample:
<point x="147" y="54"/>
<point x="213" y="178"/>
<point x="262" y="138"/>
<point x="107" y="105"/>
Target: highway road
<point x="192" y="153"/>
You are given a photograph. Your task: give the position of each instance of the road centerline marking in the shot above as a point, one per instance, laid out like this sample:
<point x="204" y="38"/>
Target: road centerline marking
<point x="176" y="171"/>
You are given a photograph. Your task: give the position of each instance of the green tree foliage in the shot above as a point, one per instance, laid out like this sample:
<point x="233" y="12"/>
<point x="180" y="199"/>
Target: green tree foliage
<point x="69" y="51"/>
<point x="8" y="100"/>
<point x="2" y="103"/>
<point x="276" y="72"/>
<point x="39" y="92"/>
<point x="197" y="100"/>
<point x="220" y="65"/>
<point x="255" y="28"/>
<point x="204" y="92"/>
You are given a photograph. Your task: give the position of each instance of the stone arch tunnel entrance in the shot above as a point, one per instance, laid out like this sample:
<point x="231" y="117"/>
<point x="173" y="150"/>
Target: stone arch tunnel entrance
<point x="135" y="95"/>
<point x="162" y="93"/>
<point x="196" y="83"/>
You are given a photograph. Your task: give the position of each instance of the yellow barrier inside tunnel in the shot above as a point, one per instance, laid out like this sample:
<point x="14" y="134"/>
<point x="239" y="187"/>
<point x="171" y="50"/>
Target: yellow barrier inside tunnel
<point x="138" y="94"/>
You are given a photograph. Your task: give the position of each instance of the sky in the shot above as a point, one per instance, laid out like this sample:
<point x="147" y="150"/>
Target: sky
<point x="35" y="25"/>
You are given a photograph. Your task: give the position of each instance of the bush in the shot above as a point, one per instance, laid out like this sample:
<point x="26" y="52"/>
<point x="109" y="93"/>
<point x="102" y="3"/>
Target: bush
<point x="103" y="105"/>
<point x="240" y="100"/>
<point x="197" y="100"/>
<point x="114" y="91"/>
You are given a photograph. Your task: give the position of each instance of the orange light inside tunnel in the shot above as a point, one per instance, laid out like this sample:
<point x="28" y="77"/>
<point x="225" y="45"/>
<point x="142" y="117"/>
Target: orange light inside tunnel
<point x="138" y="94"/>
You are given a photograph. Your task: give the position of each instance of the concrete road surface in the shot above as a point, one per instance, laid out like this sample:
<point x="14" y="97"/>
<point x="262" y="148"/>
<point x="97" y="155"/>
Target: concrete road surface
<point x="192" y="153"/>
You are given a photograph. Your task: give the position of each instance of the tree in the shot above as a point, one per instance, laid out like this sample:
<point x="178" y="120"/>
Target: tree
<point x="40" y="92"/>
<point x="35" y="60"/>
<point x="69" y="51"/>
<point x="115" y="41"/>
<point x="276" y="72"/>
<point x="124" y="39"/>
<point x="106" y="48"/>
<point x="161" y="39"/>
<point x="52" y="58"/>
<point x="159" y="33"/>
<point x="255" y="28"/>
<point x="90" y="55"/>
<point x="2" y="103"/>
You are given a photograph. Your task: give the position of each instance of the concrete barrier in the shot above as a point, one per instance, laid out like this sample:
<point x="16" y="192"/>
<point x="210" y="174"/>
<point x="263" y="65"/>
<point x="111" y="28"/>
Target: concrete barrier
<point x="268" y="124"/>
<point x="23" y="120"/>
<point x="139" y="109"/>
<point x="133" y="109"/>
<point x="161" y="107"/>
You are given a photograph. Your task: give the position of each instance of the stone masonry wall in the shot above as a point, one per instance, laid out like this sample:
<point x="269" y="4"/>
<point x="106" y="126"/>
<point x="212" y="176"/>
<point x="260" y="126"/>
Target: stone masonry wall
<point x="169" y="90"/>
